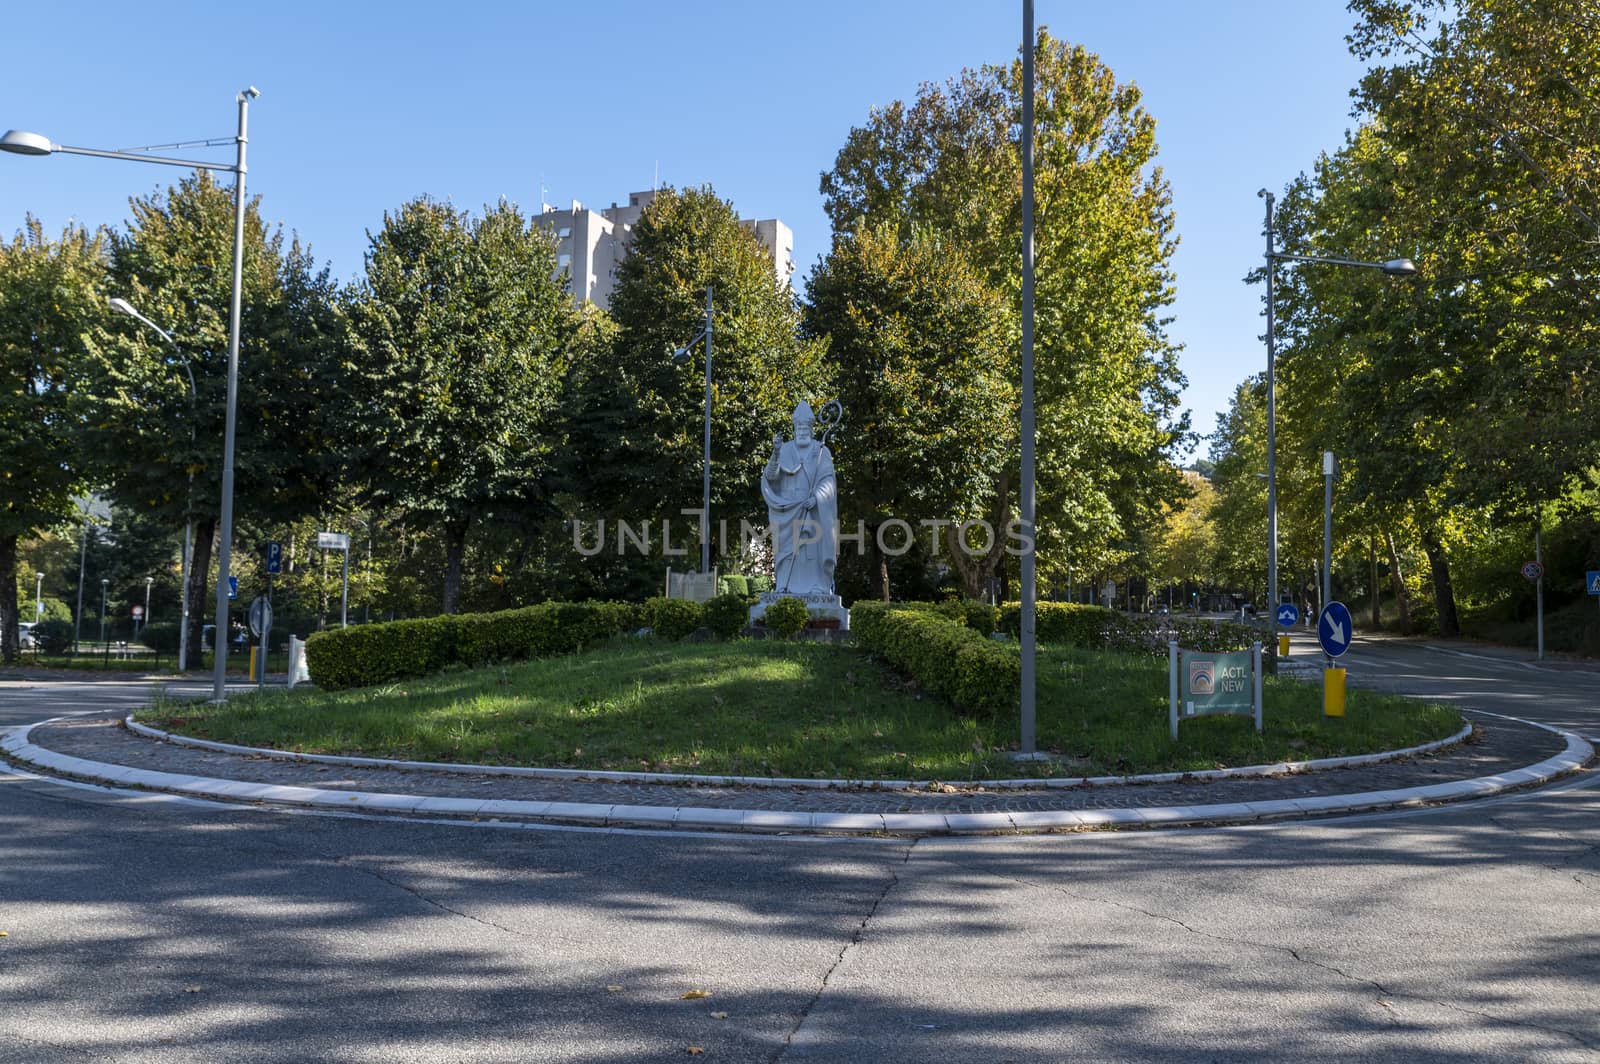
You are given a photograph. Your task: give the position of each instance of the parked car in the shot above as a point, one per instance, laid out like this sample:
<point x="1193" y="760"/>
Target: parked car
<point x="25" y="636"/>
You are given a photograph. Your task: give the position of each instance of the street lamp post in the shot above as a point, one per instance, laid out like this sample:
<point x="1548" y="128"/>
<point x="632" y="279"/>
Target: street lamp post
<point x="24" y="143"/>
<point x="38" y="599"/>
<point x="146" y="618"/>
<point x="1394" y="268"/>
<point x="104" y="583"/>
<point x="1028" y="576"/>
<point x="679" y="357"/>
<point x="122" y="306"/>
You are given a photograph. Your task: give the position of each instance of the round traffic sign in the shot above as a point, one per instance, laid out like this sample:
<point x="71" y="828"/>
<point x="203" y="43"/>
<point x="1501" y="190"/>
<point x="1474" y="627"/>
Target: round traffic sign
<point x="138" y="611"/>
<point x="260" y="616"/>
<point x="1532" y="571"/>
<point x="1335" y="629"/>
<point x="1288" y="615"/>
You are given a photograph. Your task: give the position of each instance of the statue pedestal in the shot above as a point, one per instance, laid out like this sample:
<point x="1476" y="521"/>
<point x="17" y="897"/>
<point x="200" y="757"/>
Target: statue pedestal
<point x="826" y="610"/>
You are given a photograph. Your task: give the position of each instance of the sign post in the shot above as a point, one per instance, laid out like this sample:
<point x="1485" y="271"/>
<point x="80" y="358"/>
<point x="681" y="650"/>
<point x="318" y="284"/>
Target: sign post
<point x="339" y="541"/>
<point x="1203" y="685"/>
<point x="1335" y="630"/>
<point x="1591" y="580"/>
<point x="260" y="625"/>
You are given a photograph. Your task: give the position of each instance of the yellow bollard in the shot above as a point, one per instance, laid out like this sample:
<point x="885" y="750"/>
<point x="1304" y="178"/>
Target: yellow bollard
<point x="1333" y="692"/>
<point x="253" y="663"/>
<point x="1283" y="646"/>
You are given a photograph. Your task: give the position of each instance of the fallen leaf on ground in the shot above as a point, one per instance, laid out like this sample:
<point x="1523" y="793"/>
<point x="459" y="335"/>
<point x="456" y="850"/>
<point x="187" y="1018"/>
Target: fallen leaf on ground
<point x="694" y="995"/>
<point x="719" y="1015"/>
<point x="193" y="989"/>
<point x="613" y="988"/>
<point x="695" y="1051"/>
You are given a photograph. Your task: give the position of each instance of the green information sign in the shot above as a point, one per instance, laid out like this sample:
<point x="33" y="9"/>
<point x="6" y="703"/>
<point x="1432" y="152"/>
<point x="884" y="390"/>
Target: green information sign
<point x="1216" y="683"/>
<point x="1206" y="684"/>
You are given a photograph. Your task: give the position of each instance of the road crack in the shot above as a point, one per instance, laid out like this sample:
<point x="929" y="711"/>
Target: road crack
<point x="855" y="938"/>
<point x="347" y="862"/>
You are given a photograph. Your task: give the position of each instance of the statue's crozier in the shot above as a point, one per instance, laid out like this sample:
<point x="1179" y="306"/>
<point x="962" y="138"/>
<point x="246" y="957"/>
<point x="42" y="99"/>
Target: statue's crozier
<point x="803" y="509"/>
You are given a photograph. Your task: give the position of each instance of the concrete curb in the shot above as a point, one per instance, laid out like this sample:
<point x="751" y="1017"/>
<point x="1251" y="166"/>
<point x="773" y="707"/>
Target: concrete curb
<point x="1577" y="753"/>
<point x="1282" y="768"/>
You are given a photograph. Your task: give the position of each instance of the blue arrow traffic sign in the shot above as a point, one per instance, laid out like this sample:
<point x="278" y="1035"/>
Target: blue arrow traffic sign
<point x="1592" y="578"/>
<point x="274" y="557"/>
<point x="1334" y="629"/>
<point x="233" y="587"/>
<point x="1288" y="615"/>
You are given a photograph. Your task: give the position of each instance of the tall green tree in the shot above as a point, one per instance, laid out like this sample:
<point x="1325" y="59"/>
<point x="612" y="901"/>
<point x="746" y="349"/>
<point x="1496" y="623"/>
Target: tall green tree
<point x="157" y="439"/>
<point x="921" y="348"/>
<point x="51" y="294"/>
<point x="1107" y="378"/>
<point x="460" y="338"/>
<point x="642" y="425"/>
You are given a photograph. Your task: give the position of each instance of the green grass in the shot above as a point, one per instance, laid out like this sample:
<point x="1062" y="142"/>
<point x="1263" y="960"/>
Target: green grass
<point x="771" y="708"/>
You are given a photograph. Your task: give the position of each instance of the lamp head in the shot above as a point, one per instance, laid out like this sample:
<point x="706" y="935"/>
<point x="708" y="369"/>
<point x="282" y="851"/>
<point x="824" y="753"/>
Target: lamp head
<point x="21" y="142"/>
<point x="1400" y="268"/>
<point x="680" y="356"/>
<point x="122" y="306"/>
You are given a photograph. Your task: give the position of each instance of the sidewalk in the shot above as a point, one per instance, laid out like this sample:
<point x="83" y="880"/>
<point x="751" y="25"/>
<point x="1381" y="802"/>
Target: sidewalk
<point x="1501" y="754"/>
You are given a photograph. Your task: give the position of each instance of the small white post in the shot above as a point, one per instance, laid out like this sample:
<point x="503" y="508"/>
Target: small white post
<point x="1255" y="668"/>
<point x="1172" y="685"/>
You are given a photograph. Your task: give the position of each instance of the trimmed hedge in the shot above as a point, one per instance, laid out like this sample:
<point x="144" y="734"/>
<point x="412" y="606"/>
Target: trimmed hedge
<point x="977" y="674"/>
<point x="727" y="615"/>
<point x="734" y="584"/>
<point x="786" y="617"/>
<point x="673" y="618"/>
<point x="979" y="616"/>
<point x="376" y="653"/>
<point x="162" y="637"/>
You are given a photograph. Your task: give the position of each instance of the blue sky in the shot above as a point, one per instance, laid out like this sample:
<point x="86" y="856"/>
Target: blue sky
<point x="366" y="105"/>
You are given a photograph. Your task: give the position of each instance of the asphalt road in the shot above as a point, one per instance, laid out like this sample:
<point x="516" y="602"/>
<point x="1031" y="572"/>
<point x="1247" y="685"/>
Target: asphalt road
<point x="150" y="929"/>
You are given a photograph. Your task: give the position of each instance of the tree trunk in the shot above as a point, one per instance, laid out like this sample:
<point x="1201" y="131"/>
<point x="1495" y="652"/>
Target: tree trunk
<point x="199" y="581"/>
<point x="9" y="648"/>
<point x="455" y="539"/>
<point x="1444" y="595"/>
<point x="1402" y="601"/>
<point x="880" y="570"/>
<point x="1373" y="590"/>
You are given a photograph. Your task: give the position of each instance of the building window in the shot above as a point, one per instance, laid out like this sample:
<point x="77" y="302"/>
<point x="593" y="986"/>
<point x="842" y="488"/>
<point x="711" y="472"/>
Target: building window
<point x="564" y="232"/>
<point x="563" y="261"/>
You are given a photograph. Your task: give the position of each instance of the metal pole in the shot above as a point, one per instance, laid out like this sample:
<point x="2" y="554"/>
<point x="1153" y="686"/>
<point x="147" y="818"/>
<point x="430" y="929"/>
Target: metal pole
<point x="1538" y="585"/>
<point x="1172" y="688"/>
<point x="38" y="599"/>
<point x="1272" y="442"/>
<point x="1029" y="574"/>
<point x="146" y="618"/>
<point x="83" y="557"/>
<point x="705" y="485"/>
<point x="219" y="679"/>
<point x="344" y="591"/>
<point x="1327" y="531"/>
<point x="183" y="632"/>
<point x="103" y="585"/>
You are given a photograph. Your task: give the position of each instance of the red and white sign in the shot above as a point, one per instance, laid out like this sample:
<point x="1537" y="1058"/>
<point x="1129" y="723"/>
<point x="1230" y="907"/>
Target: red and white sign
<point x="138" y="611"/>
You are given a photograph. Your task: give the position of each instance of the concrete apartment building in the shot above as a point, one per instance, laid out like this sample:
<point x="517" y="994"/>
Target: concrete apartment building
<point x="591" y="244"/>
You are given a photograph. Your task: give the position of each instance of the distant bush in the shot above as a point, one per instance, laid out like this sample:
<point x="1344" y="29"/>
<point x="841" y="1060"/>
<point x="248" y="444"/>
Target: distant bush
<point x="1098" y="628"/>
<point x="760" y="584"/>
<point x="376" y="653"/>
<point x="55" y="637"/>
<point x="162" y="637"/>
<point x="673" y="618"/>
<point x="727" y="615"/>
<point x="786" y="617"/>
<point x="734" y="584"/>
